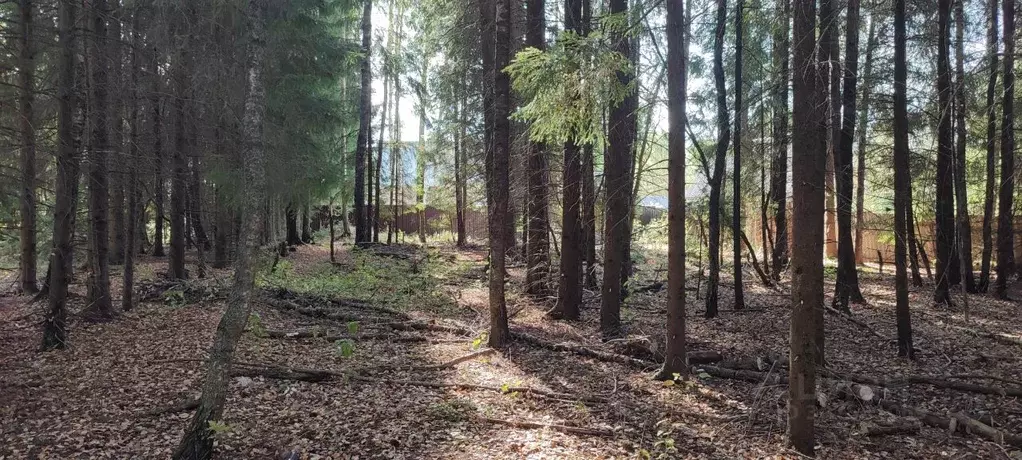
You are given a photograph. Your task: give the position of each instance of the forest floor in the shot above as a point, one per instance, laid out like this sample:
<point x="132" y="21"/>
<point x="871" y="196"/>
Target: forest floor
<point x="389" y="324"/>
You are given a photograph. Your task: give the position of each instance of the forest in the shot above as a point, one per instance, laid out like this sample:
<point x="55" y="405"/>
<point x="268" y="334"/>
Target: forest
<point x="405" y="229"/>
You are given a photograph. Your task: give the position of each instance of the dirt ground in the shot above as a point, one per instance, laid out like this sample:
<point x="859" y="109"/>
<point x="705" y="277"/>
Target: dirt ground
<point x="112" y="394"/>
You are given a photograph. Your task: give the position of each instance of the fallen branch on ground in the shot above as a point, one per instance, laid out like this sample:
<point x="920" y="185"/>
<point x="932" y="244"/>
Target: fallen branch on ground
<point x="183" y="406"/>
<point x="335" y="337"/>
<point x="698" y="356"/>
<point x="561" y="428"/>
<point x="856" y="322"/>
<point x="898" y="427"/>
<point x="958" y="422"/>
<point x="506" y="389"/>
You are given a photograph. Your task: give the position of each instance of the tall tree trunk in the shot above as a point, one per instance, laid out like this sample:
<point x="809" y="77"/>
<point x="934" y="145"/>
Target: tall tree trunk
<point x="159" y="191"/>
<point x="460" y="164"/>
<point x="736" y="172"/>
<point x="132" y="188"/>
<point x="830" y="54"/>
<point x="717" y="180"/>
<point x="846" y="286"/>
<point x="902" y="184"/>
<point x="497" y="183"/>
<point x="913" y="249"/>
<point x="617" y="164"/>
<point x="860" y="195"/>
<point x="569" y="291"/>
<point x="588" y="186"/>
<point x="944" y="207"/>
<point x="178" y="230"/>
<point x="420" y="155"/>
<point x="26" y="99"/>
<point x="54" y="326"/>
<point x="365" y="116"/>
<point x="198" y="439"/>
<point x="307" y="224"/>
<point x="964" y="223"/>
<point x="779" y="162"/>
<point x="537" y="269"/>
<point x="100" y="304"/>
<point x="116" y="164"/>
<point x="1005" y="208"/>
<point x="991" y="148"/>
<point x="808" y="173"/>
<point x="675" y="362"/>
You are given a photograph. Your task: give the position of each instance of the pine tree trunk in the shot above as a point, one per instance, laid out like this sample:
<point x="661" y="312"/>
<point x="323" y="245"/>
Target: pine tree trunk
<point x="588" y="186"/>
<point x="26" y="99"/>
<point x="847" y="284"/>
<point x="116" y="162"/>
<point x="964" y="223"/>
<point x="902" y="184"/>
<point x="100" y="304"/>
<point x="736" y="172"/>
<point x="860" y="195"/>
<point x="830" y="55"/>
<point x="459" y="166"/>
<point x="1005" y="207"/>
<point x="198" y="441"/>
<point x="991" y="149"/>
<point x="178" y="229"/>
<point x="159" y="191"/>
<point x="362" y="235"/>
<point x="717" y="180"/>
<point x="779" y="162"/>
<point x="808" y="172"/>
<point x="675" y="362"/>
<point x="569" y="290"/>
<point x="617" y="165"/>
<point x="134" y="192"/>
<point x="497" y="180"/>
<point x="420" y="158"/>
<point x="54" y="326"/>
<point x="537" y="268"/>
<point x="944" y="207"/>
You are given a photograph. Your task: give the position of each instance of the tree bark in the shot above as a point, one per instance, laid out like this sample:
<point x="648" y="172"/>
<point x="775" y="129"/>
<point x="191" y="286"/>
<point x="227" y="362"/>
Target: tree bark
<point x="717" y="180"/>
<point x="1005" y="207"/>
<point x="498" y="183"/>
<point x="100" y="304"/>
<point x="116" y="164"/>
<point x="991" y="148"/>
<point x="736" y="172"/>
<point x="26" y="100"/>
<point x="569" y="293"/>
<point x="779" y="162"/>
<point x="55" y="323"/>
<point x="178" y="230"/>
<point x="944" y="207"/>
<point x="902" y="184"/>
<point x="537" y="268"/>
<point x="964" y="223"/>
<point x="198" y="441"/>
<point x="830" y="55"/>
<point x="808" y="173"/>
<point x="617" y="165"/>
<point x="362" y="230"/>
<point x="675" y="361"/>
<point x="864" y="106"/>
<point x="846" y="287"/>
<point x="159" y="191"/>
<point x="132" y="188"/>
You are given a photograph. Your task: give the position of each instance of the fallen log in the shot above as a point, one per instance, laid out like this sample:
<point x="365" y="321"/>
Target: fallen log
<point x="183" y="406"/>
<point x="898" y="427"/>
<point x="769" y="378"/>
<point x="335" y="337"/>
<point x="934" y="381"/>
<point x="959" y="422"/>
<point x="561" y="428"/>
<point x="506" y="389"/>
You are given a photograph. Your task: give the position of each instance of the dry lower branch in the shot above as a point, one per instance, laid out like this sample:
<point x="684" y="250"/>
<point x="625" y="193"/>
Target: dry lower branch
<point x="561" y="428"/>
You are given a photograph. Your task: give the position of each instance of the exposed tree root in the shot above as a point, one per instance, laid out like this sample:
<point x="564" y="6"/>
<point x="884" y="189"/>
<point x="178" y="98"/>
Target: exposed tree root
<point x="561" y="428"/>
